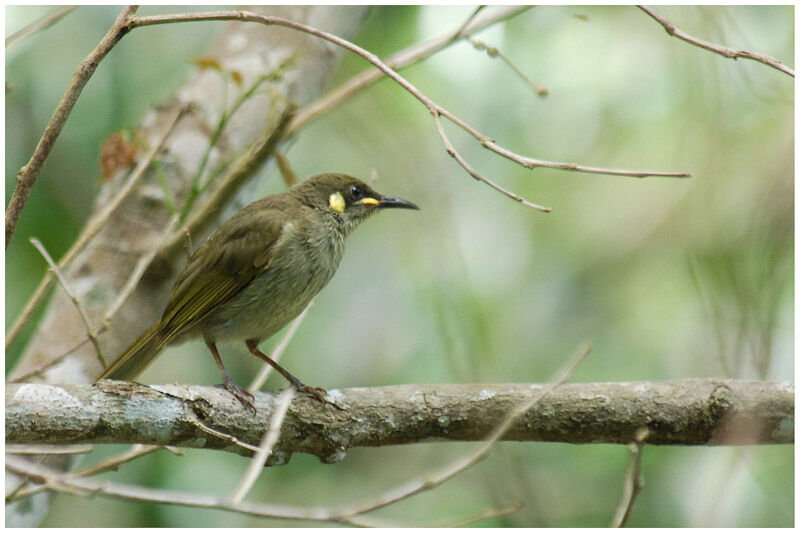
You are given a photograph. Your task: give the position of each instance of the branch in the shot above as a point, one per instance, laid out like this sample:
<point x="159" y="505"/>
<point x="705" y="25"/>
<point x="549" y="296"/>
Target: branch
<point x="692" y="411"/>
<point x="730" y="53"/>
<point x="435" y="109"/>
<point x="398" y="61"/>
<point x="95" y="224"/>
<point x="633" y="479"/>
<point x="27" y="175"/>
<point x="41" y="24"/>
<point x="66" y="483"/>
<point x="90" y="332"/>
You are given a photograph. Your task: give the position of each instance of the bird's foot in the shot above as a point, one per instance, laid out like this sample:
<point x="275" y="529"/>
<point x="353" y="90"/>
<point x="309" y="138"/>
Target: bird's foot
<point x="244" y="397"/>
<point x="317" y="392"/>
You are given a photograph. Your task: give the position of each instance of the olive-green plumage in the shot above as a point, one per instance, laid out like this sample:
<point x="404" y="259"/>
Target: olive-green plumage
<point x="258" y="271"/>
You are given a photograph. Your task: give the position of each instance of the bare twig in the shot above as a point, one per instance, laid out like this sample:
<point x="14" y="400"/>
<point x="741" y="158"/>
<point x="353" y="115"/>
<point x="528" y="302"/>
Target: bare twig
<point x="237" y="174"/>
<point x="256" y="465"/>
<point x="27" y="175"/>
<point x="136" y="451"/>
<point x="432" y="106"/>
<point x="138" y="272"/>
<point x="224" y="436"/>
<point x="61" y="482"/>
<point x="372" y="521"/>
<point x="39" y="25"/>
<point x="197" y="185"/>
<point x="347" y="514"/>
<point x="398" y="61"/>
<point x="74" y="297"/>
<point x="730" y="53"/>
<point x="463" y="28"/>
<point x="277" y="352"/>
<point x="664" y="410"/>
<point x="633" y="478"/>
<point x="489" y="513"/>
<point x="493" y="51"/>
<point x="40" y="370"/>
<point x="438" y="477"/>
<point x="95" y="225"/>
<point x="47" y="449"/>
<point x="474" y="173"/>
<point x="285" y="168"/>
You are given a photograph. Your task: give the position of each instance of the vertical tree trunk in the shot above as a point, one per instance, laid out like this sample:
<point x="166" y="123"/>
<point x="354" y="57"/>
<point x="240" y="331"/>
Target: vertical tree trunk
<point x="302" y="65"/>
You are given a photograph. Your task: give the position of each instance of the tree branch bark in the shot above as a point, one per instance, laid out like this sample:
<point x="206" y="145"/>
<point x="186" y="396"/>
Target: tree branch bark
<point x="688" y="412"/>
<point x="101" y="269"/>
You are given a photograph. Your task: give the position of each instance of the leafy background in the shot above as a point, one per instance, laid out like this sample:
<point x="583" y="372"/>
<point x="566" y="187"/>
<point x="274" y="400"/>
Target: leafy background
<point x="665" y="278"/>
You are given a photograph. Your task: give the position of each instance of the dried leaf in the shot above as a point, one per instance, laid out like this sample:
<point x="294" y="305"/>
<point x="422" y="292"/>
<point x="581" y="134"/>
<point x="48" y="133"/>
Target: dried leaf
<point x="119" y="151"/>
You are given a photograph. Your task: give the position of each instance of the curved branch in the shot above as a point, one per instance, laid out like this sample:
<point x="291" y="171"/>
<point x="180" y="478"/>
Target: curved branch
<point x="692" y="411"/>
<point x="435" y="109"/>
<point x="724" y="51"/>
<point x="27" y="175"/>
<point x="397" y="61"/>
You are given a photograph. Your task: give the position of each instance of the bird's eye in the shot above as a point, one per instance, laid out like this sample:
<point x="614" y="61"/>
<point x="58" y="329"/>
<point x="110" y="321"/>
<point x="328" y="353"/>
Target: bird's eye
<point x="356" y="191"/>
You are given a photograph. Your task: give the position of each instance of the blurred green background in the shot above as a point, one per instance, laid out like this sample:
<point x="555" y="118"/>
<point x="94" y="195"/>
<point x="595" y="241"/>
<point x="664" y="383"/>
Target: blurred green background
<point x="665" y="278"/>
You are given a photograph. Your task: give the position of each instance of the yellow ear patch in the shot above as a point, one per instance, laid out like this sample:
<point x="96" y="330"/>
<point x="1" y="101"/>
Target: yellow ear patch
<point x="336" y="201"/>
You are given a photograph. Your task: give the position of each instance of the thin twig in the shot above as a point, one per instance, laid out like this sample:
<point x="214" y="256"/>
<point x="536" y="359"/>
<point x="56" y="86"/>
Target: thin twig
<point x="400" y="60"/>
<point x="224" y="189"/>
<point x="94" y="226"/>
<point x="64" y="483"/>
<point x="474" y="173"/>
<point x="138" y="272"/>
<point x="113" y="463"/>
<point x="230" y="438"/>
<point x="256" y="465"/>
<point x="48" y="449"/>
<point x="371" y="521"/>
<point x="61" y="482"/>
<point x="39" y="25"/>
<point x="493" y="51"/>
<point x="277" y="352"/>
<point x="633" y="479"/>
<point x="197" y="185"/>
<point x="463" y="28"/>
<point x="432" y="106"/>
<point x="438" y="477"/>
<point x="40" y="370"/>
<point x="136" y="451"/>
<point x="27" y="175"/>
<point x="74" y="297"/>
<point x="724" y="51"/>
<point x="489" y="513"/>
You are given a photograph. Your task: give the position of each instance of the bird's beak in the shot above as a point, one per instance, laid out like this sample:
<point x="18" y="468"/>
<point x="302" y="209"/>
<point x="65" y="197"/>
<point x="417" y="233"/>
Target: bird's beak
<point x="390" y="201"/>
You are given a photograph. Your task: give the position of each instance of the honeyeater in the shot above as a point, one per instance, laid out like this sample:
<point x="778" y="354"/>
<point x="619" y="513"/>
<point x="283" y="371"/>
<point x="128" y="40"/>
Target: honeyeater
<point x="257" y="272"/>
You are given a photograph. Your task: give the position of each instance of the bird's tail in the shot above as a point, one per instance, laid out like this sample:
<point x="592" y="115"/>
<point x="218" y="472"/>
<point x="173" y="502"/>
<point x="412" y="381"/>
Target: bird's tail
<point x="137" y="357"/>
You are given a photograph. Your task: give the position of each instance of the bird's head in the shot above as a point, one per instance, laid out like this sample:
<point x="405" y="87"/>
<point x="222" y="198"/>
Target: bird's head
<point x="346" y="197"/>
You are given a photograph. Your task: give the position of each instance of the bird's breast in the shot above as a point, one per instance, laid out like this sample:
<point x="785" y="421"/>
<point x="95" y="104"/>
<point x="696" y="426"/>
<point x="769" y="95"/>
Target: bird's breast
<point x="303" y="262"/>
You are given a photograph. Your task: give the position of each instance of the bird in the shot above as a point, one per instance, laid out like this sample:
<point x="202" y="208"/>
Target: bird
<point x="257" y="272"/>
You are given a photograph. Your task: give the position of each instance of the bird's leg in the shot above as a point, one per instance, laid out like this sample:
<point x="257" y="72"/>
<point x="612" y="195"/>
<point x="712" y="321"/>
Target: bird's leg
<point x="317" y="392"/>
<point x="244" y="397"/>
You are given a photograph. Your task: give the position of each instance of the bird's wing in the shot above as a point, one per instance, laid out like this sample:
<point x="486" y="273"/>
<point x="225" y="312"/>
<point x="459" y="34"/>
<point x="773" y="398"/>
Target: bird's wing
<point x="232" y="257"/>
